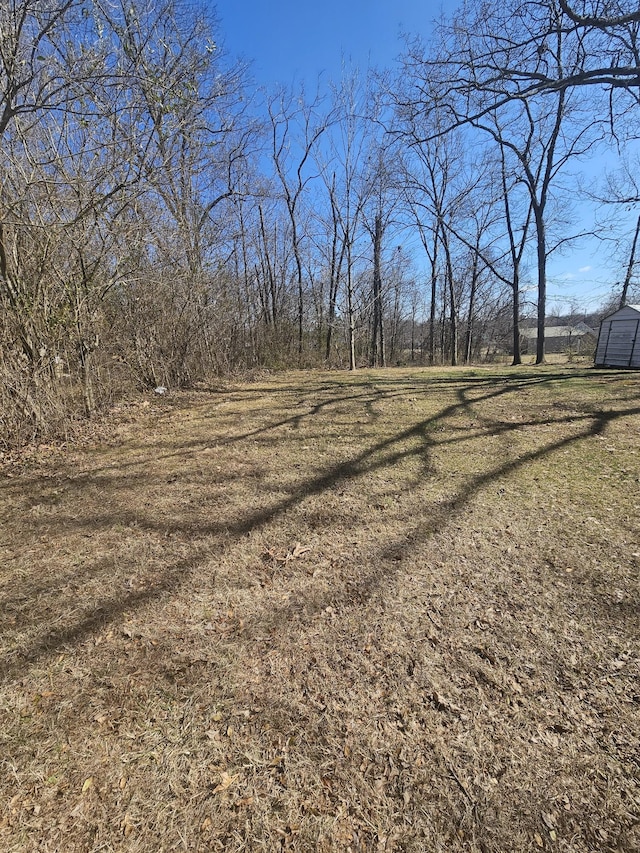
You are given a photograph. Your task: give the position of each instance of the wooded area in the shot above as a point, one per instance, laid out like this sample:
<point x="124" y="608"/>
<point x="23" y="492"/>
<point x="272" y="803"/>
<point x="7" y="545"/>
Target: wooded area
<point x="161" y="222"/>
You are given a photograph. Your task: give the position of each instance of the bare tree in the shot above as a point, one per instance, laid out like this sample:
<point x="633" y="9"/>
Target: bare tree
<point x="621" y="194"/>
<point x="199" y="138"/>
<point x="343" y="169"/>
<point x="494" y="55"/>
<point x="438" y="181"/>
<point x="515" y="64"/>
<point x="333" y="249"/>
<point x="630" y="266"/>
<point x="602" y="15"/>
<point x="68" y="165"/>
<point x="115" y="119"/>
<point x="296" y="128"/>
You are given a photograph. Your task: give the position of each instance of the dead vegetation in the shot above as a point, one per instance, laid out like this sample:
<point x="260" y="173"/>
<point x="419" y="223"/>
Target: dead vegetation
<point x="394" y="611"/>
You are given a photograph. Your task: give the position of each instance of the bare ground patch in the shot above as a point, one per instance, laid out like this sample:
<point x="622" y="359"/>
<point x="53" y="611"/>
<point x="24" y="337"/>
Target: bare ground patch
<point x="395" y="611"/>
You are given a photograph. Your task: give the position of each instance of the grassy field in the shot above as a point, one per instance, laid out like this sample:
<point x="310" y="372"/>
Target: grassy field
<point x="389" y="611"/>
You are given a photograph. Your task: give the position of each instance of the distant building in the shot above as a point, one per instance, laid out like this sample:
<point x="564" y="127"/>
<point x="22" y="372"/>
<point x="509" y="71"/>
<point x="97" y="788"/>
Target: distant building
<point x="560" y="338"/>
<point x="619" y="339"/>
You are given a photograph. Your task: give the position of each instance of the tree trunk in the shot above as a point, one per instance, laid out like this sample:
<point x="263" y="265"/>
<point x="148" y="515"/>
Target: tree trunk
<point x="300" y="297"/>
<point x="88" y="396"/>
<point x="453" y="316"/>
<point x="517" y="356"/>
<point x="351" y="318"/>
<point x="542" y="284"/>
<point x="472" y="300"/>
<point x="632" y="260"/>
<point x="377" y="340"/>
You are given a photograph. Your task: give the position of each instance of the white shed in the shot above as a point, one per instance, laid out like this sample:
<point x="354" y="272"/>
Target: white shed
<point x="619" y="339"/>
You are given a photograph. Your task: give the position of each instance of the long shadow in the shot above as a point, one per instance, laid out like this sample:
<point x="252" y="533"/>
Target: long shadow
<point x="369" y="397"/>
<point x="361" y="589"/>
<point x="292" y="421"/>
<point x="102" y="613"/>
<point x="375" y="392"/>
<point x="351" y="469"/>
<point x="453" y="505"/>
<point x="382" y="454"/>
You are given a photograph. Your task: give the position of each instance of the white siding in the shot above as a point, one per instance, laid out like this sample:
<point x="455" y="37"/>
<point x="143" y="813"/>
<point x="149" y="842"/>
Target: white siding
<point x="619" y="339"/>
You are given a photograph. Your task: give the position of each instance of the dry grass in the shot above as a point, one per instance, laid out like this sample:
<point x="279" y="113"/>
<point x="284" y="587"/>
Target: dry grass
<point x="394" y="611"/>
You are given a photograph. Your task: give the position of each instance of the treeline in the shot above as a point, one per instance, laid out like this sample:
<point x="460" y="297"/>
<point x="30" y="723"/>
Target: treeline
<point x="162" y="222"/>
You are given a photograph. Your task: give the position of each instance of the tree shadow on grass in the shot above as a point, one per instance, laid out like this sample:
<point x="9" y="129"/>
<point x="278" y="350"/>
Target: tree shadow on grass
<point x="387" y="387"/>
<point x="384" y="453"/>
<point x="420" y="532"/>
<point x="415" y="441"/>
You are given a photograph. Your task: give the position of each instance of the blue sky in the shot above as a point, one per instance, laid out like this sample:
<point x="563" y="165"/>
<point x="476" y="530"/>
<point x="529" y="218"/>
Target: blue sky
<point x="290" y="42"/>
<point x="296" y="41"/>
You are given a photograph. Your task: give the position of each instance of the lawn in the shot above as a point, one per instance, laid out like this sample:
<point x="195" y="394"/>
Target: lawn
<point x="389" y="611"/>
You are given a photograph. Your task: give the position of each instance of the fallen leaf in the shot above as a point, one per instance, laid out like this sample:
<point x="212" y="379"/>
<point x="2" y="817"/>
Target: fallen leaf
<point x="88" y="783"/>
<point x="299" y="550"/>
<point x="226" y="781"/>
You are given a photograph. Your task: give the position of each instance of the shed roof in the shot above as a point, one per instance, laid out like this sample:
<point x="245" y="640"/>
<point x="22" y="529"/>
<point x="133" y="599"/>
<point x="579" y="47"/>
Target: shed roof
<point x="626" y="309"/>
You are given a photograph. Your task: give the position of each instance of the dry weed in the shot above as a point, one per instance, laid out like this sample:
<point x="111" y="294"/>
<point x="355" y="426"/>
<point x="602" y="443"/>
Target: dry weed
<point x="394" y="611"/>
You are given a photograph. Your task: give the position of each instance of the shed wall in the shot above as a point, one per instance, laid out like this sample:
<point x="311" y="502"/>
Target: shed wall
<point x="619" y="342"/>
